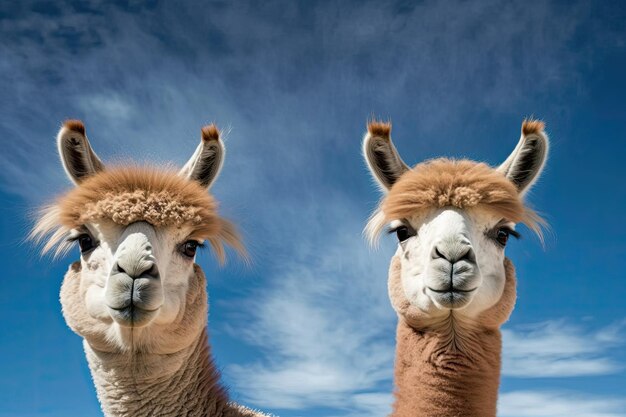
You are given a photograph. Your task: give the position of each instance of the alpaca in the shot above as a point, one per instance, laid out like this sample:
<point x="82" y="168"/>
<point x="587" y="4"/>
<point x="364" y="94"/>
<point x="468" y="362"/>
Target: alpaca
<point x="136" y="296"/>
<point x="449" y="280"/>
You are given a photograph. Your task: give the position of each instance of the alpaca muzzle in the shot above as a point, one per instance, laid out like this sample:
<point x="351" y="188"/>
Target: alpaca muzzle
<point x="134" y="292"/>
<point x="453" y="276"/>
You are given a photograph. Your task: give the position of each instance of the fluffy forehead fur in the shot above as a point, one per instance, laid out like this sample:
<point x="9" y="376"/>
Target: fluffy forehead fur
<point x="125" y="195"/>
<point x="445" y="182"/>
<point x="129" y="194"/>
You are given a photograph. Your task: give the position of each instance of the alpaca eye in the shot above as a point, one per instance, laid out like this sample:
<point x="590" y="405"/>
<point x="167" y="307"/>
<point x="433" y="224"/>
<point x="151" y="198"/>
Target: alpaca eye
<point x="86" y="243"/>
<point x="503" y="236"/>
<point x="404" y="232"/>
<point x="190" y="248"/>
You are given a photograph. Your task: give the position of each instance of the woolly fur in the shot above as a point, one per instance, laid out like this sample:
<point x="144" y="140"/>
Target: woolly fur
<point x="125" y="195"/>
<point x="140" y="383"/>
<point x="448" y="368"/>
<point x="165" y="369"/>
<point x="449" y="365"/>
<point x="455" y="183"/>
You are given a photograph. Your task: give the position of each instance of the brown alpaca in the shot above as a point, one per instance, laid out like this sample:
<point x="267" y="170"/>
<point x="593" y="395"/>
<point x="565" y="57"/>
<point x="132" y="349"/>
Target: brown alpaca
<point x="449" y="281"/>
<point x="136" y="296"/>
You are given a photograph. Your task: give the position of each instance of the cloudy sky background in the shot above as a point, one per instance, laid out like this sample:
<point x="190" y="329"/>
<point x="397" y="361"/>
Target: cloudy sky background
<point x="307" y="329"/>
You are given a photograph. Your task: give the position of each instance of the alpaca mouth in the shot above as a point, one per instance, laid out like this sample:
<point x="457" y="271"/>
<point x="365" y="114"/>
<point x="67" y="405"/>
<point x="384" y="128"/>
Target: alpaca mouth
<point x="452" y="290"/>
<point x="133" y="302"/>
<point x="133" y="307"/>
<point x="451" y="298"/>
<point x="132" y="315"/>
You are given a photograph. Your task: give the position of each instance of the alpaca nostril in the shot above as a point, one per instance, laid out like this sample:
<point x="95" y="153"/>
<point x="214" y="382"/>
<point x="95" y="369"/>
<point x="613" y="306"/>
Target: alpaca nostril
<point x="440" y="251"/>
<point x="138" y="269"/>
<point x="467" y="256"/>
<point x="454" y="254"/>
<point x="153" y="271"/>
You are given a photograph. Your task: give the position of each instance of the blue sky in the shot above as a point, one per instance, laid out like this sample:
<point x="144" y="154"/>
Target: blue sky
<point x="307" y="329"/>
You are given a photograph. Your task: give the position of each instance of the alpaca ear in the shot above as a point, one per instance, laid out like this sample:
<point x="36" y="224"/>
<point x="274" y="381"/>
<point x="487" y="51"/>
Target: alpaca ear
<point x="77" y="157"/>
<point x="381" y="156"/>
<point x="206" y="162"/>
<point x="525" y="164"/>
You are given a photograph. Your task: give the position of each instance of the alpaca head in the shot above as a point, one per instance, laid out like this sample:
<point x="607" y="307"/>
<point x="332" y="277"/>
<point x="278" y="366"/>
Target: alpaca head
<point x="138" y="229"/>
<point x="453" y="219"/>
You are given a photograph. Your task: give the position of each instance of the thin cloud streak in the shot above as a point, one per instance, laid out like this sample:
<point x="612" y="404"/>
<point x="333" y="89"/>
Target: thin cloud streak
<point x="324" y="325"/>
<point x="559" y="404"/>
<point x="141" y="102"/>
<point x="560" y="349"/>
<point x="325" y="328"/>
<point x="296" y="82"/>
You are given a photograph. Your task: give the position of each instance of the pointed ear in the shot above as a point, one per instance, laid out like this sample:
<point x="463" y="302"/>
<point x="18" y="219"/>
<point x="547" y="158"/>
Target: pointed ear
<point x="381" y="156"/>
<point x="77" y="157"/>
<point x="206" y="162"/>
<point x="525" y="164"/>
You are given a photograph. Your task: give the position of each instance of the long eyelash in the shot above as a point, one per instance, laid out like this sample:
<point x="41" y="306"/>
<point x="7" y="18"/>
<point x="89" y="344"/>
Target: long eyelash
<point x="513" y="233"/>
<point x="72" y="238"/>
<point x="392" y="230"/>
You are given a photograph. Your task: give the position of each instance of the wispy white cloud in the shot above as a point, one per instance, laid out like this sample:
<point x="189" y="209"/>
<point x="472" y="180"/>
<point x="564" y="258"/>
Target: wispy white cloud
<point x="324" y="325"/>
<point x="325" y="329"/>
<point x="154" y="80"/>
<point x="297" y="103"/>
<point x="559" y="404"/>
<point x="561" y="349"/>
<point x="323" y="347"/>
<point x="112" y="107"/>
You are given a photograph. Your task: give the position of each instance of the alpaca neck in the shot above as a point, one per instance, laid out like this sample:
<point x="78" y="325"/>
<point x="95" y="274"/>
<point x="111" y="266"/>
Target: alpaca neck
<point x="148" y="384"/>
<point x="167" y="372"/>
<point x="451" y="372"/>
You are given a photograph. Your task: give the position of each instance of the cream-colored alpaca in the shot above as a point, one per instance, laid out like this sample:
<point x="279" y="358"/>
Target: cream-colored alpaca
<point x="449" y="280"/>
<point x="136" y="296"/>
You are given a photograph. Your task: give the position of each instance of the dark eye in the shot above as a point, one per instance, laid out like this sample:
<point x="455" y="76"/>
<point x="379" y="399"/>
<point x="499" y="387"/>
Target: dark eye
<point x="189" y="248"/>
<point x="86" y="243"/>
<point x="404" y="232"/>
<point x="502" y="236"/>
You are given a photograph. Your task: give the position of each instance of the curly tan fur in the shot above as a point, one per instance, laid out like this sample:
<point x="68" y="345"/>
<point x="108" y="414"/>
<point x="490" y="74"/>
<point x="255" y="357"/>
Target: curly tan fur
<point x="457" y="183"/>
<point x="128" y="194"/>
<point x="462" y="184"/>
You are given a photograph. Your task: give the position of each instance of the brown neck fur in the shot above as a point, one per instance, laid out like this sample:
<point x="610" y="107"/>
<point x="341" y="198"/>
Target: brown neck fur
<point x="449" y="368"/>
<point x="435" y="379"/>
